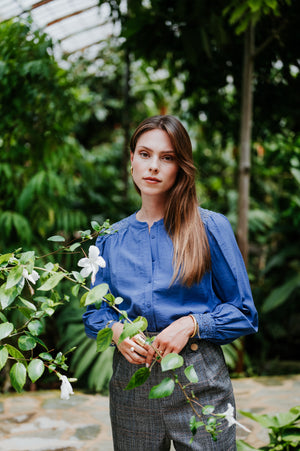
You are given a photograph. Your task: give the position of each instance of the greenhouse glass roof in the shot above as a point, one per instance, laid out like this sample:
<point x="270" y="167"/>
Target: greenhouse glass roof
<point x="75" y="26"/>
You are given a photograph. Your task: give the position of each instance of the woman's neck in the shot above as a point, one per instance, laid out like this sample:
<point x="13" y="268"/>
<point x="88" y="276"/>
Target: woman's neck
<point x="151" y="211"/>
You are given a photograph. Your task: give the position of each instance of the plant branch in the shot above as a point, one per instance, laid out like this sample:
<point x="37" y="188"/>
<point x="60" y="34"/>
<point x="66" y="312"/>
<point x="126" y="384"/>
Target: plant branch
<point x="268" y="41"/>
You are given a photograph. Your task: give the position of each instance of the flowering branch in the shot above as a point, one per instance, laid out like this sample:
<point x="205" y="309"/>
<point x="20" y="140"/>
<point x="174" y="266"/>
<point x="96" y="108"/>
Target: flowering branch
<point x="19" y="267"/>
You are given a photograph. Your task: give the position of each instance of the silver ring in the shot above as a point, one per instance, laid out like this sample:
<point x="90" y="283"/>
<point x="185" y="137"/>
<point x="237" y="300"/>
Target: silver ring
<point x="132" y="349"/>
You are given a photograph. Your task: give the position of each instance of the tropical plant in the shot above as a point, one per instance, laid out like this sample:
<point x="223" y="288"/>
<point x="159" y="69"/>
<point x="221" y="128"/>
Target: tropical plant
<point x="284" y="430"/>
<point x="39" y="105"/>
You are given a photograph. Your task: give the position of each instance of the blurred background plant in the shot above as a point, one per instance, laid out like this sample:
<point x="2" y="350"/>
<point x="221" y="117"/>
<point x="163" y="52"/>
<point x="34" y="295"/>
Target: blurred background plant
<point x="64" y="136"/>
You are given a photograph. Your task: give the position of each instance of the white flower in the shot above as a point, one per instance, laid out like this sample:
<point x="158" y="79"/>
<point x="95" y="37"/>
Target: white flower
<point x="91" y="263"/>
<point x="229" y="416"/>
<point x="33" y="277"/>
<point x="65" y="388"/>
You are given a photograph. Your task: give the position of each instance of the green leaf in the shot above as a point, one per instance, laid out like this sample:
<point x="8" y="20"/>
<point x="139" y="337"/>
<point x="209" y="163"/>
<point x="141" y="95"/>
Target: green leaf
<point x="3" y="318"/>
<point x="35" y="369"/>
<point x="56" y="238"/>
<point x="27" y="304"/>
<point x="74" y="246"/>
<point x="75" y="289"/>
<point x="35" y="327"/>
<point x="281" y="294"/>
<point x="123" y="315"/>
<point x="5" y="330"/>
<point x="165" y="388"/>
<point x="38" y="340"/>
<point x="96" y="226"/>
<point x="14" y="277"/>
<point x="194" y="424"/>
<point x="26" y="343"/>
<point x="4" y="259"/>
<point x="18" y="376"/>
<point x="15" y="353"/>
<point x="85" y="233"/>
<point x="138" y="378"/>
<point x="104" y="338"/>
<point x="27" y="257"/>
<point x="3" y="356"/>
<point x="238" y="13"/>
<point x="191" y="374"/>
<point x="291" y="435"/>
<point x="7" y="297"/>
<point x="77" y="276"/>
<point x="295" y="410"/>
<point x="118" y="300"/>
<point x="110" y="298"/>
<point x="171" y="362"/>
<point x="208" y="410"/>
<point x="131" y="329"/>
<point x="53" y="280"/>
<point x="243" y="446"/>
<point x="279" y="420"/>
<point x="46" y="356"/>
<point x="139" y="319"/>
<point x="96" y="294"/>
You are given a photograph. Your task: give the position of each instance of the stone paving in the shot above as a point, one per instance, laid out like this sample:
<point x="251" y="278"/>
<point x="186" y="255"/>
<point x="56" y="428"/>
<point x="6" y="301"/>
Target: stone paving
<point x="41" y="421"/>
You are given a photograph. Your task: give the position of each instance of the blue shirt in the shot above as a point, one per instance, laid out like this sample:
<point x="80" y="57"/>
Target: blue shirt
<point x="139" y="269"/>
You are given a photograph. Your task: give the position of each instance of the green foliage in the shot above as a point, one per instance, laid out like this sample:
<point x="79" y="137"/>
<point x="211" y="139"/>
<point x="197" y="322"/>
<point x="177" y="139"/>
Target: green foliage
<point x="284" y="430"/>
<point x="38" y="106"/>
<point x="22" y="315"/>
<point x="191" y="374"/>
<point x="163" y="389"/>
<point x="138" y="378"/>
<point x="171" y="362"/>
<point x="62" y="137"/>
<point x="104" y="339"/>
<point x="241" y="13"/>
<point x="92" y="367"/>
<point x="275" y="265"/>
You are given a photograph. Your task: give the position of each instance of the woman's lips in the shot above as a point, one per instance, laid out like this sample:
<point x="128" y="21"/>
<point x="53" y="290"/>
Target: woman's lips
<point x="152" y="180"/>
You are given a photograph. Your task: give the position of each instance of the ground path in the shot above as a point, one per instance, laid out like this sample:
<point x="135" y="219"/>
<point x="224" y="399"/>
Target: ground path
<point x="41" y="421"/>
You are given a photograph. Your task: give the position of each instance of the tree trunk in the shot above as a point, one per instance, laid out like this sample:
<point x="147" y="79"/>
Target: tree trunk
<point x="125" y="126"/>
<point x="245" y="143"/>
<point x="245" y="159"/>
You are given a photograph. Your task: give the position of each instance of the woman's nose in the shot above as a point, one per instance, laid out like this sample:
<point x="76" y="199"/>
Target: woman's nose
<point x="154" y="166"/>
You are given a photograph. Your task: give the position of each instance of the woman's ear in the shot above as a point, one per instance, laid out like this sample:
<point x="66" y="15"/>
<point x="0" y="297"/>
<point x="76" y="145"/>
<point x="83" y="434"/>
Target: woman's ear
<point x="131" y="156"/>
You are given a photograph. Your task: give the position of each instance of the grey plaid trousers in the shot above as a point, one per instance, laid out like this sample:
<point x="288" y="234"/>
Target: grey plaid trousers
<point x="143" y="424"/>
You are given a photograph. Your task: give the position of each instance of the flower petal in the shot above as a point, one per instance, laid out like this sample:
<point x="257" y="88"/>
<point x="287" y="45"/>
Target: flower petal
<point x="101" y="262"/>
<point x="93" y="252"/>
<point x="83" y="262"/>
<point x="85" y="272"/>
<point x="66" y="388"/>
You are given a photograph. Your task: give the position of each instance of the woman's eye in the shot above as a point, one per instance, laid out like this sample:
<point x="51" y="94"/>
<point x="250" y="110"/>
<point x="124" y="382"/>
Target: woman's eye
<point x="144" y="154"/>
<point x="168" y="158"/>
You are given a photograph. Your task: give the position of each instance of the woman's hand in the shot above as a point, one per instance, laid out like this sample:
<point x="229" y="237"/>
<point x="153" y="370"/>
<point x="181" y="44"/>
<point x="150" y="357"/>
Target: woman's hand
<point x="172" y="339"/>
<point x="133" y="349"/>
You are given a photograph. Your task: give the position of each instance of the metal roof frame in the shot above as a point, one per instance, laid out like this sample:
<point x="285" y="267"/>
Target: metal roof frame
<point x="64" y="21"/>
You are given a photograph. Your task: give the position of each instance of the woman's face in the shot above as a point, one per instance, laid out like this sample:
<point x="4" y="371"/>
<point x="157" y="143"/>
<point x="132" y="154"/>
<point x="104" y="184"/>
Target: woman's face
<point x="154" y="163"/>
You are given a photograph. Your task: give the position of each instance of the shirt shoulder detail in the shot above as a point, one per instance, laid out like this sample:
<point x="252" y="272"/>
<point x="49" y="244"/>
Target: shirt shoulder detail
<point x="114" y="230"/>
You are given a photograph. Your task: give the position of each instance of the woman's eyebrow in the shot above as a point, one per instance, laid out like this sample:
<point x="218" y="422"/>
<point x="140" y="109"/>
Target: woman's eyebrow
<point x="151" y="150"/>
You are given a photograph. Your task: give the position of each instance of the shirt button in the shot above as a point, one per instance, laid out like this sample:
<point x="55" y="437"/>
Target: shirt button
<point x="152" y="237"/>
<point x="149" y="305"/>
<point x="194" y="346"/>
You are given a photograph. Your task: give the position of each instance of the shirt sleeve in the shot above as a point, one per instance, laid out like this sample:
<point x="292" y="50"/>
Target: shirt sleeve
<point x="96" y="319"/>
<point x="235" y="314"/>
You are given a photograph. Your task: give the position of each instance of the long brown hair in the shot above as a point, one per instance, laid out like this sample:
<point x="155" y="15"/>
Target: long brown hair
<point x="182" y="220"/>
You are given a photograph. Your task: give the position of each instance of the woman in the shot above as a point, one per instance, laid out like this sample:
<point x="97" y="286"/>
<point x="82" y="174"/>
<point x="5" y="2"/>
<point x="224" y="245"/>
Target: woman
<point x="178" y="266"/>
